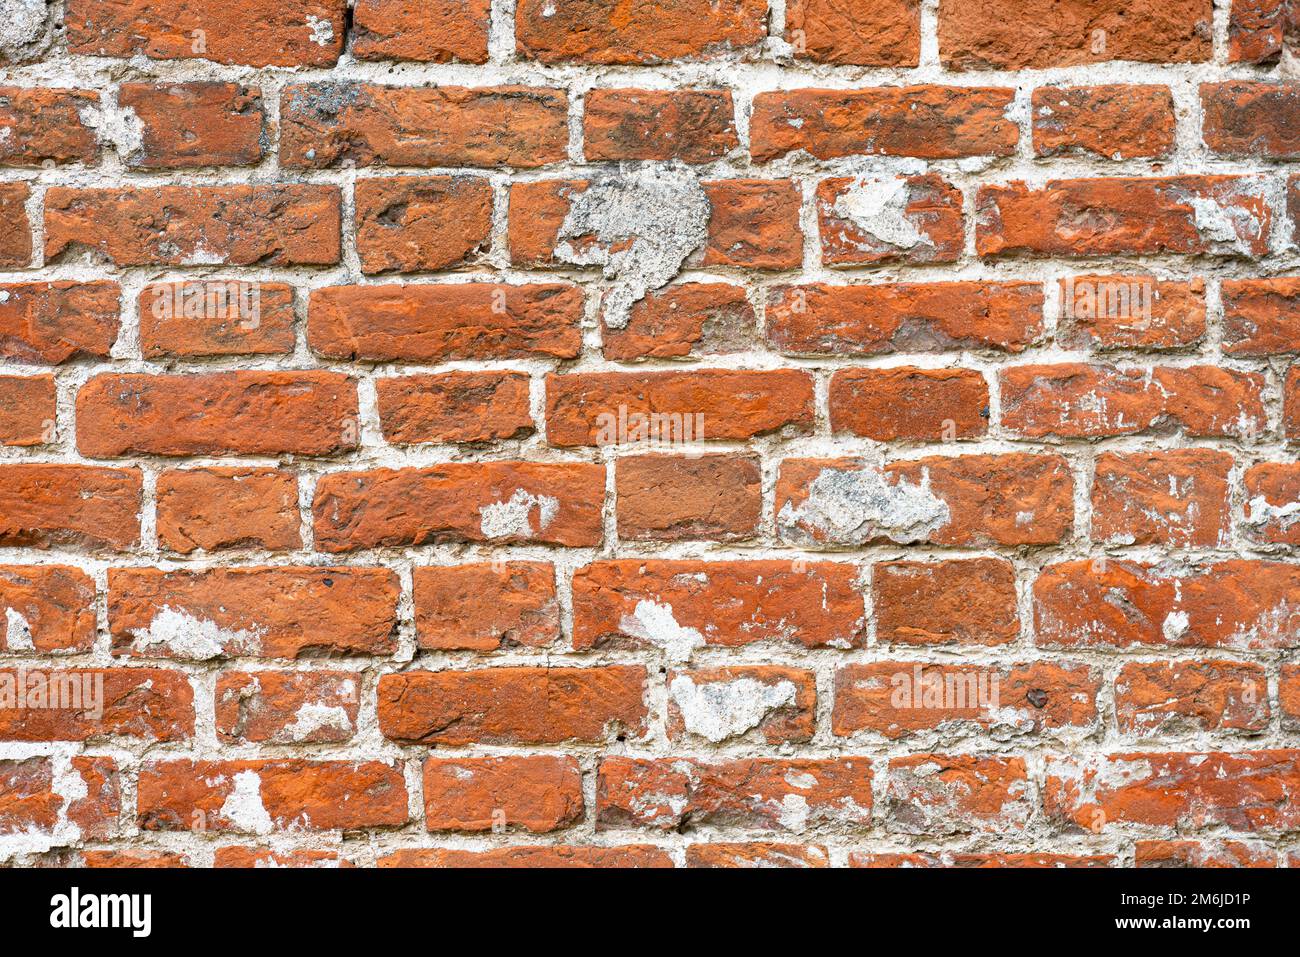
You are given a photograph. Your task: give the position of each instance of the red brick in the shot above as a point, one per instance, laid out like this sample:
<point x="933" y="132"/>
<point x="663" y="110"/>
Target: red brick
<point x="95" y="704"/>
<point x="32" y="799"/>
<point x="194" y="124"/>
<point x="602" y="31"/>
<point x="218" y="508"/>
<point x="863" y="221"/>
<point x="261" y="797"/>
<point x="1288" y="696"/>
<point x="538" y="793"/>
<point x="820" y="319"/>
<point x="765" y="703"/>
<point x="630" y="408"/>
<point x="1271" y="513"/>
<point x="265" y="857"/>
<point x="1251" y="120"/>
<point x="1291" y="404"/>
<point x="952" y="859"/>
<point x="687" y="320"/>
<point x="545" y="856"/>
<point x="454" y="407"/>
<point x="130" y="859"/>
<point x="513" y="705"/>
<point x="1238" y="604"/>
<point x="771" y="794"/>
<point x="1074" y="400"/>
<point x="1166" y="697"/>
<point x="77" y="506"/>
<point x="202" y="318"/>
<point x="1019" y="34"/>
<point x="904" y="403"/>
<point x="270" y="612"/>
<point x="897" y="699"/>
<point x="49" y="609"/>
<point x="1115" y="121"/>
<point x="935" y="794"/>
<point x="861" y="34"/>
<point x="753" y="224"/>
<point x="16" y="234"/>
<point x="1202" y="854"/>
<point x="1130" y="312"/>
<point x="486" y="607"/>
<point x="498" y="502"/>
<point x="1178" y="498"/>
<point x="967" y="602"/>
<point x="1245" y="791"/>
<point x="1261" y="316"/>
<point x="676" y="498"/>
<point x="1257" y="30"/>
<point x="765" y="854"/>
<point x="1187" y="215"/>
<point x="928" y="122"/>
<point x="287" y="707"/>
<point x="694" y="126"/>
<point x="52" y="322"/>
<point x="427" y="31"/>
<point x="239" y="413"/>
<point x="964" y="501"/>
<point x="46" y="124"/>
<point x="286" y="224"/>
<point x="27" y="410"/>
<point x="323" y="124"/>
<point x="678" y="604"/>
<point x="437" y="323"/>
<point x="422" y="223"/>
<point x="243" y="32"/>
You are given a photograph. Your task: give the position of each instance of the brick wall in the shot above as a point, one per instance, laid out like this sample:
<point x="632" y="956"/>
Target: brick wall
<point x="688" y="432"/>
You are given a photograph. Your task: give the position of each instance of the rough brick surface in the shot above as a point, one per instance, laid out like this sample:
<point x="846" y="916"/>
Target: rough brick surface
<point x="650" y="433"/>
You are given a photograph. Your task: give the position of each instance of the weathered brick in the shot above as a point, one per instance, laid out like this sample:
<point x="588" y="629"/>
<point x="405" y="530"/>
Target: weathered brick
<point x="694" y="126"/>
<point x="1177" y="498"/>
<point x="1107" y="603"/>
<point x="862" y="34"/>
<point x="968" y="601"/>
<point x="966" y="501"/>
<point x="676" y="605"/>
<point x="270" y="612"/>
<point x="485" y="607"/>
<point x="286" y="224"/>
<point x="498" y="502"/>
<point x="1272" y="491"/>
<point x="686" y="320"/>
<point x="937" y="794"/>
<point x="1114" y="121"/>
<point x="928" y="122"/>
<point x="628" y="408"/>
<point x="69" y="506"/>
<point x="287" y="707"/>
<point x="539" y="793"/>
<point x="1246" y="119"/>
<point x="454" y="407"/>
<point x="674" y="498"/>
<point x="240" y="413"/>
<point x="242" y="32"/>
<point x="428" y="31"/>
<point x="49" y="609"/>
<point x="227" y="507"/>
<point x="1165" y="697"/>
<point x="422" y="223"/>
<point x="602" y="31"/>
<point x="200" y="318"/>
<point x="1130" y="312"/>
<point x="766" y="793"/>
<point x="52" y="322"/>
<point x="323" y="124"/>
<point x="821" y="319"/>
<point x="16" y="234"/>
<point x="1261" y="316"/>
<point x="194" y="124"/>
<point x="513" y="705"/>
<point x="1187" y="215"/>
<point x="27" y="410"/>
<point x="533" y="856"/>
<point x="1202" y="853"/>
<point x="433" y="323"/>
<point x="758" y="702"/>
<point x="905" y="403"/>
<point x="863" y="221"/>
<point x="47" y="124"/>
<point x="263" y="797"/>
<point x="1019" y="34"/>
<point x="95" y="704"/>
